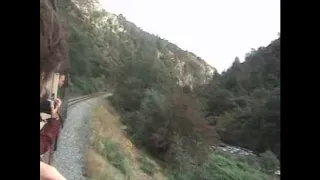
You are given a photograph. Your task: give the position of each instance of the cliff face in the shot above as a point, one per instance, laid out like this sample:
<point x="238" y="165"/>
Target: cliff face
<point x="113" y="39"/>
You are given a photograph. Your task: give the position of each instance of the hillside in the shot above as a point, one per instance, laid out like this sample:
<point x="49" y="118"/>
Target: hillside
<point x="244" y="102"/>
<point x="101" y="43"/>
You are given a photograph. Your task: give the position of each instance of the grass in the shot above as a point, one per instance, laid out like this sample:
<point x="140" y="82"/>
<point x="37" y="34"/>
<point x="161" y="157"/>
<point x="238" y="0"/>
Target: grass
<point x="106" y="159"/>
<point x="146" y="165"/>
<point x="98" y="168"/>
<point x="229" y="169"/>
<point x="116" y="156"/>
<point x="220" y="166"/>
<point x="112" y="156"/>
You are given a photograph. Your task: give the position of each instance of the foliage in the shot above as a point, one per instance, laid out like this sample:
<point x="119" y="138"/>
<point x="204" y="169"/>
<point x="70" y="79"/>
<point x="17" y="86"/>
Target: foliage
<point x="116" y="157"/>
<point x="158" y="112"/>
<point x="218" y="166"/>
<point x="147" y="165"/>
<point x="244" y="101"/>
<point x="269" y="162"/>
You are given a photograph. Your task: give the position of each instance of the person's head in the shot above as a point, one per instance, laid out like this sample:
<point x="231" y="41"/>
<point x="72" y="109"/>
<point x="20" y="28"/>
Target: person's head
<point x="62" y="79"/>
<point x="53" y="48"/>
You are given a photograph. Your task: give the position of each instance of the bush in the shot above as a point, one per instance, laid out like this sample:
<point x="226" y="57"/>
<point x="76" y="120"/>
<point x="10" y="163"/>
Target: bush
<point x="175" y="125"/>
<point x="128" y="95"/>
<point x="116" y="157"/>
<point x="168" y="125"/>
<point x="269" y="162"/>
<point x="146" y="165"/>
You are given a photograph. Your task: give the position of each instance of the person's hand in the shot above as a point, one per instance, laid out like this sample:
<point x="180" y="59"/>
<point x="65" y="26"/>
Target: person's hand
<point x="54" y="110"/>
<point x="48" y="172"/>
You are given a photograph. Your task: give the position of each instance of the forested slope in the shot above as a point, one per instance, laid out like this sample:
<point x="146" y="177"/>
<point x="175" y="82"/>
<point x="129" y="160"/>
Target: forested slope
<point x="101" y="43"/>
<point x="244" y="101"/>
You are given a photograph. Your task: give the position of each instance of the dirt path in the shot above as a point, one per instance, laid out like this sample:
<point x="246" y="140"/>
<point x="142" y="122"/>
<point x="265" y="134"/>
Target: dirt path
<point x="74" y="140"/>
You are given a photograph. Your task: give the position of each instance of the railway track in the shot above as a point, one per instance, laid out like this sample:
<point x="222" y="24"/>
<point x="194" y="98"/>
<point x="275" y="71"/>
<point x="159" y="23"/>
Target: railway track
<point x="82" y="98"/>
<point x="47" y="157"/>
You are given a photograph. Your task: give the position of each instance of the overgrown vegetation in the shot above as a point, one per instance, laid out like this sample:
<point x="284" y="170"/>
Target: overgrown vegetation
<point x="116" y="156"/>
<point x="147" y="165"/>
<point x="243" y="104"/>
<point x="112" y="156"/>
<point x="106" y="158"/>
<point x="219" y="167"/>
<point x="166" y="101"/>
<point x="244" y="101"/>
<point x="225" y="166"/>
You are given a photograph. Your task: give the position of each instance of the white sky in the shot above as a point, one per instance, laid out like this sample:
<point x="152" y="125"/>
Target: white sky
<point x="215" y="30"/>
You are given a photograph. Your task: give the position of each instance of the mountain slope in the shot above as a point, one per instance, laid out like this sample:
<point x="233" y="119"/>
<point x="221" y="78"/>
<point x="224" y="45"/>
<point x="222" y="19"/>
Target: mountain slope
<point x="100" y="42"/>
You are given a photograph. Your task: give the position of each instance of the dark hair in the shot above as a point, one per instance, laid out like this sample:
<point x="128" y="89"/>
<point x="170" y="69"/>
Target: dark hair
<point x="53" y="46"/>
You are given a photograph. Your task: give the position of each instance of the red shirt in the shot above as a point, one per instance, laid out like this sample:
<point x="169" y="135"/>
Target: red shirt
<point x="48" y="134"/>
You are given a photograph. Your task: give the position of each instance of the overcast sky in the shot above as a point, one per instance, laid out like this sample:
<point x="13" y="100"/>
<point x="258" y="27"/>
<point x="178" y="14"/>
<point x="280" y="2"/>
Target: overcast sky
<point x="215" y="30"/>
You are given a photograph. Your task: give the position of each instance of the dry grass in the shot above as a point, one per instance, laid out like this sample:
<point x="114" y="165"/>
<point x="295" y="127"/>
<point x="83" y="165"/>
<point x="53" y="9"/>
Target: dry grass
<point x="122" y="161"/>
<point x="98" y="168"/>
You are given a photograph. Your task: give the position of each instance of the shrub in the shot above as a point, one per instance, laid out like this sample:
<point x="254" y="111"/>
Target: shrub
<point x="116" y="157"/>
<point x="269" y="162"/>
